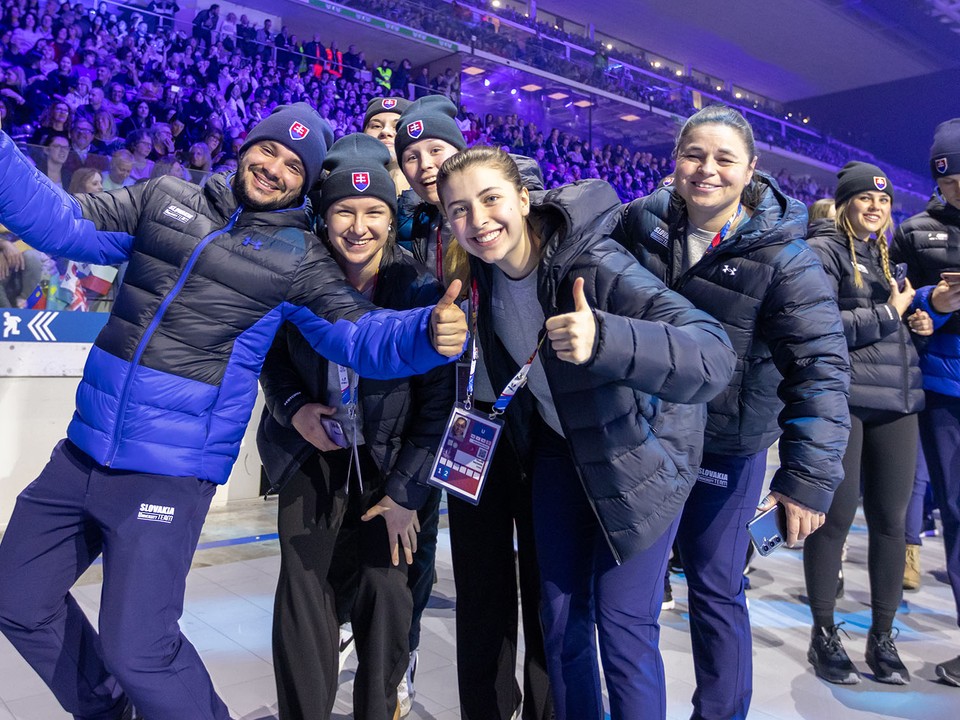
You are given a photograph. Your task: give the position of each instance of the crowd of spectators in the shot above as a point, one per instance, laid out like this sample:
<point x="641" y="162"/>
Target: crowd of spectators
<point x="116" y="94"/>
<point x="549" y="47"/>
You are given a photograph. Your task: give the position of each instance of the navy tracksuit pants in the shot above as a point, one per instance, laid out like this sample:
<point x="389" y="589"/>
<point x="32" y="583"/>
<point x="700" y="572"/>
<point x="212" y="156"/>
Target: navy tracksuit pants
<point x="940" y="435"/>
<point x="147" y="528"/>
<point x="585" y="595"/>
<point x="713" y="541"/>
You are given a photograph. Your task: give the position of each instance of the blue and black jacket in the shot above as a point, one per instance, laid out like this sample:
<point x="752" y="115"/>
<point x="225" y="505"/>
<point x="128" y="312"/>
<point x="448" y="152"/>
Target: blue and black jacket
<point x="170" y="383"/>
<point x="929" y="243"/>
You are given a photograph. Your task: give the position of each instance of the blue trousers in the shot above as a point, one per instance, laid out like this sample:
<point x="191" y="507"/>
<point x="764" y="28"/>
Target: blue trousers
<point x="584" y="590"/>
<point x="920" y="501"/>
<point x="713" y="541"/>
<point x="147" y="528"/>
<point x="940" y="435"/>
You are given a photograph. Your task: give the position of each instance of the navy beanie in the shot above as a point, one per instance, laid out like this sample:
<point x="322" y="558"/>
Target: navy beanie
<point x="357" y="166"/>
<point x="384" y="105"/>
<point x="431" y="117"/>
<point x="301" y="129"/>
<point x="945" y="152"/>
<point x="860" y="177"/>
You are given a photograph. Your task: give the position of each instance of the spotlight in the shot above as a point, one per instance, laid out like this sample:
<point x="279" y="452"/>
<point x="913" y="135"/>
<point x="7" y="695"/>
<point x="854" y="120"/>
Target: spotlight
<point x="513" y="91"/>
<point x="486" y="83"/>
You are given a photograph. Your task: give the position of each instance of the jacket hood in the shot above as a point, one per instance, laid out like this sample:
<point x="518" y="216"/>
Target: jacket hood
<point x="776" y="217"/>
<point x="574" y="215"/>
<point x="943" y="212"/>
<point x="825" y="228"/>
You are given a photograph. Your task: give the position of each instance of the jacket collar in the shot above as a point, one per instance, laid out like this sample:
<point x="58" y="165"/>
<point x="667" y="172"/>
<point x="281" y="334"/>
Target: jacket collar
<point x="220" y="195"/>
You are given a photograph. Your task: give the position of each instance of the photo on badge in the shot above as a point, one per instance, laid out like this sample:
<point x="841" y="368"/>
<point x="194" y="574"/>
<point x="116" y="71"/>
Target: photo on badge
<point x="466" y="449"/>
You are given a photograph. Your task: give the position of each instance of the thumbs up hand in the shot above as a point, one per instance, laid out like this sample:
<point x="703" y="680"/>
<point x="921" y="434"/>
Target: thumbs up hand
<point x="572" y="335"/>
<point x="448" y="324"/>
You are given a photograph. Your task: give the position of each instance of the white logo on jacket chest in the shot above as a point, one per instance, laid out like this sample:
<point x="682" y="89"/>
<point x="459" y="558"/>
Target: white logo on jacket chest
<point x="661" y="236"/>
<point x="862" y="268"/>
<point x="178" y="214"/>
<point x="728" y="270"/>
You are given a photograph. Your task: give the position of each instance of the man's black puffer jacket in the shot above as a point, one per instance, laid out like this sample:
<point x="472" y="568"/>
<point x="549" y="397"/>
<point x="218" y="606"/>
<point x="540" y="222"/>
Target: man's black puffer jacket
<point x="884" y="366"/>
<point x="769" y="290"/>
<point x="402" y="419"/>
<point x="633" y="415"/>
<point x="929" y="243"/>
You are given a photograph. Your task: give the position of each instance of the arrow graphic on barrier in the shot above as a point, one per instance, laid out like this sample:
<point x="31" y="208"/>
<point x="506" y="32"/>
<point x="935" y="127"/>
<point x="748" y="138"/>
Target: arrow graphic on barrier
<point x="39" y="326"/>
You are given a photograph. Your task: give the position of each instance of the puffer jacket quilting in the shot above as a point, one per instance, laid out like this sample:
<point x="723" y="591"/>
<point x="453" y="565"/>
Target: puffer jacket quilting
<point x="884" y="367"/>
<point x="171" y="380"/>
<point x="403" y="419"/>
<point x="633" y="417"/>
<point x="769" y="290"/>
<point x="929" y="243"/>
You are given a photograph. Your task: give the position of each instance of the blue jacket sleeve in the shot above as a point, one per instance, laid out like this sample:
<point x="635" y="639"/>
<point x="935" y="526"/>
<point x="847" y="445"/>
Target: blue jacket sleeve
<point x="51" y="220"/>
<point x="347" y="329"/>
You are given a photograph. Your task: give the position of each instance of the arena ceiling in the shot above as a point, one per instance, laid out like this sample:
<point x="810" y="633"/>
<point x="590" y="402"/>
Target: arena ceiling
<point x="784" y="49"/>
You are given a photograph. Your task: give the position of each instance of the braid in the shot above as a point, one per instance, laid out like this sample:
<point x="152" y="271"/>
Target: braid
<point x="884" y="257"/>
<point x="857" y="277"/>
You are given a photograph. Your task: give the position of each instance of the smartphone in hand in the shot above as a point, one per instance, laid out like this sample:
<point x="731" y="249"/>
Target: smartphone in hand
<point x="951" y="277"/>
<point x="768" y="530"/>
<point x="334" y="431"/>
<point x="900" y="275"/>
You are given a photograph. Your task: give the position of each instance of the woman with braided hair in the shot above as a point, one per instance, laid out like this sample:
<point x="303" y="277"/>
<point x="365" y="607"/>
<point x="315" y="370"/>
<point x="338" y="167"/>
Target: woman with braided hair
<point x="885" y="396"/>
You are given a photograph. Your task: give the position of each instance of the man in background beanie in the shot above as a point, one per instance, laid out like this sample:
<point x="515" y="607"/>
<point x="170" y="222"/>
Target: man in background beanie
<point x="929" y="243"/>
<point x="165" y="398"/>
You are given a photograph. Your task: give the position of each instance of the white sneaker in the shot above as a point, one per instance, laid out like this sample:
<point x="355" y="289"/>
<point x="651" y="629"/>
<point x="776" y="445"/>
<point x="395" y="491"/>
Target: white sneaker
<point x="347" y="644"/>
<point x="405" y="690"/>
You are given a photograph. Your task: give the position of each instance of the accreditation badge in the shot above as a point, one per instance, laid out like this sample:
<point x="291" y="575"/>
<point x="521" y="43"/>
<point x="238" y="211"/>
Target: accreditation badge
<point x="465" y="453"/>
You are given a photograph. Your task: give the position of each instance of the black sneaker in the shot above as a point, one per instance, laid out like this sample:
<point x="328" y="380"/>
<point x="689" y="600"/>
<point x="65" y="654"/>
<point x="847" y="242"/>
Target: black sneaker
<point x="949" y="671"/>
<point x="668" y="601"/>
<point x="883" y="659"/>
<point x="830" y="661"/>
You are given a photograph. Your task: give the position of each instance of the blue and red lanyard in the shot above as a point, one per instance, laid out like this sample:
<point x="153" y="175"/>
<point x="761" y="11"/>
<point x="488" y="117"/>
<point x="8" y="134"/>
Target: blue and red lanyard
<point x="720" y="236"/>
<point x="518" y="381"/>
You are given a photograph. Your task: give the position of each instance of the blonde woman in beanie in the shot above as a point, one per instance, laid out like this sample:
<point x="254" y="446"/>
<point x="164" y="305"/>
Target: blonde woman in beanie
<point x="885" y="396"/>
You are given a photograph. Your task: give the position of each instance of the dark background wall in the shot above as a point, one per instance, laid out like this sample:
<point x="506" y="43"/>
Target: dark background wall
<point x="895" y="120"/>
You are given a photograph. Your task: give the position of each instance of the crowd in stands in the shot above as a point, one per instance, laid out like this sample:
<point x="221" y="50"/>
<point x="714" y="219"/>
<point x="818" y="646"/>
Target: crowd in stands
<point x="134" y="95"/>
<point x="478" y="24"/>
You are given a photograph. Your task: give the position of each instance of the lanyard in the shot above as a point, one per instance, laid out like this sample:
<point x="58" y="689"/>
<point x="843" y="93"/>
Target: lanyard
<point x="518" y="381"/>
<point x="725" y="229"/>
<point x="474" y="348"/>
<point x="348" y="398"/>
<point x="439" y="252"/>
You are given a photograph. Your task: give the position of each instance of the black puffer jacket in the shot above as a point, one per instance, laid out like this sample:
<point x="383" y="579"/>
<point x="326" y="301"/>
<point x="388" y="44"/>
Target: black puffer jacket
<point x="402" y="419"/>
<point x="929" y="243"/>
<point x="770" y="292"/>
<point x="637" y="452"/>
<point x="884" y="367"/>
